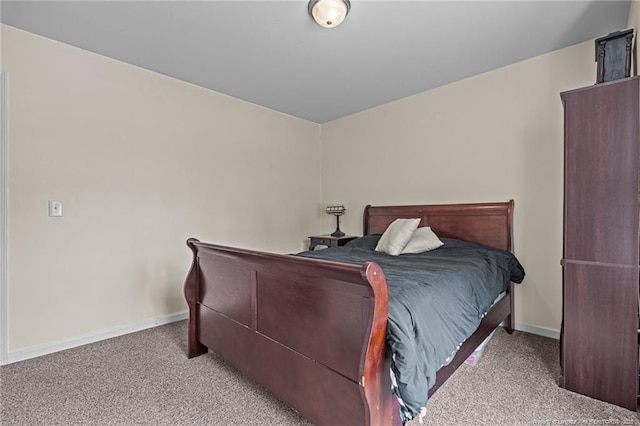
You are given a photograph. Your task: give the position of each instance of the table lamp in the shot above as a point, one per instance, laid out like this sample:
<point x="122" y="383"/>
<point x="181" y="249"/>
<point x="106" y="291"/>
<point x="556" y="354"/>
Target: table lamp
<point x="337" y="211"/>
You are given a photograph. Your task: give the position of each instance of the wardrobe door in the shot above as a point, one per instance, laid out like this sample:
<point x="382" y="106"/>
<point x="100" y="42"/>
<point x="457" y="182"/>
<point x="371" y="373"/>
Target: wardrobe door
<point x="600" y="325"/>
<point x="601" y="174"/>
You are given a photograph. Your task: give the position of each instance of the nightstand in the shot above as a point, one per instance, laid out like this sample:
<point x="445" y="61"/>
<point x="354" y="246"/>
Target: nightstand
<point x="329" y="241"/>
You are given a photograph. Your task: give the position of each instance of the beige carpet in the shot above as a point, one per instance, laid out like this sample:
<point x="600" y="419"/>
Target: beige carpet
<point x="146" y="379"/>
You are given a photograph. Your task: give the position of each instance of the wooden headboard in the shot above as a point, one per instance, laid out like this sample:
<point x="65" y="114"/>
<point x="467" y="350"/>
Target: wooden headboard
<point x="490" y="224"/>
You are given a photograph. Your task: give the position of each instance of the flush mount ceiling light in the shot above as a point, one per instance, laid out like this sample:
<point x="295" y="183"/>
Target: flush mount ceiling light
<point x="329" y="13"/>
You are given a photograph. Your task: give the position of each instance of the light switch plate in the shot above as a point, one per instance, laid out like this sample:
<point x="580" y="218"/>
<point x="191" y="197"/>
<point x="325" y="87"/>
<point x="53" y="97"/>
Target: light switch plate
<point x="55" y="208"/>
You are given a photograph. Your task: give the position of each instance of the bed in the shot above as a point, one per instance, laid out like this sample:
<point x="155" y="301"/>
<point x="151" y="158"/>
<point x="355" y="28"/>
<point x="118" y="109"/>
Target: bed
<point x="314" y="332"/>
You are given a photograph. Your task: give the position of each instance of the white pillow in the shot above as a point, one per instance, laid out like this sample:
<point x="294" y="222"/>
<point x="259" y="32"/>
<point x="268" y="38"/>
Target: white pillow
<point x="423" y="239"/>
<point x="397" y="235"/>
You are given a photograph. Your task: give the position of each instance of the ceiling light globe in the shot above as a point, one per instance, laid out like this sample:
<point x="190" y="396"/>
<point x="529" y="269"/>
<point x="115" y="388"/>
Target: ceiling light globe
<point x="329" y="13"/>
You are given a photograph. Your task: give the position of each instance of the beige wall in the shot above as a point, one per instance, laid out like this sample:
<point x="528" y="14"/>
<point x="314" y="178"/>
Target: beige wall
<point x="493" y="137"/>
<point x="634" y="22"/>
<point x="141" y="162"/>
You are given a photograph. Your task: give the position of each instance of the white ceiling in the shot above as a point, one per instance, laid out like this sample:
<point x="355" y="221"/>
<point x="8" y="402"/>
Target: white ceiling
<point x="273" y="54"/>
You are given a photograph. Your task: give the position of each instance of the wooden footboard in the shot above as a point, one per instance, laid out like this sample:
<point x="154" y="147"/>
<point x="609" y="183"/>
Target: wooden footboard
<point x="311" y="332"/>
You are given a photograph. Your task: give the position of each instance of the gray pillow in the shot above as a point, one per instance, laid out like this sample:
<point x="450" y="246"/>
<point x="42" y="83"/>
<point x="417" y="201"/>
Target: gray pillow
<point x="368" y="242"/>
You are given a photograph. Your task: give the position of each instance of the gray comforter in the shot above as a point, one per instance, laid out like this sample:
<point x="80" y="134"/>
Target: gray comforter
<point x="436" y="301"/>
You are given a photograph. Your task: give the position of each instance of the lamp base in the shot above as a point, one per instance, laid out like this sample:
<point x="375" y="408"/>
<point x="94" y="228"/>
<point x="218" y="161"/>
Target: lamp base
<point x="338" y="233"/>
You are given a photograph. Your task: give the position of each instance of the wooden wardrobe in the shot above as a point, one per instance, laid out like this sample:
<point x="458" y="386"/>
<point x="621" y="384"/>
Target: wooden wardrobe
<point x="599" y="339"/>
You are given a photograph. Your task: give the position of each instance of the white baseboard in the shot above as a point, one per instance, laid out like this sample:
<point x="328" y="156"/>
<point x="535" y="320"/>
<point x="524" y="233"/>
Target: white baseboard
<point x="37" y="351"/>
<point x="540" y="331"/>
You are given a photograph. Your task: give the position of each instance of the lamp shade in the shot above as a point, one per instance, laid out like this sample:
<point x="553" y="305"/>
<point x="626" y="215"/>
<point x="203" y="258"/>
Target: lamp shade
<point x="329" y="13"/>
<point x="336" y="210"/>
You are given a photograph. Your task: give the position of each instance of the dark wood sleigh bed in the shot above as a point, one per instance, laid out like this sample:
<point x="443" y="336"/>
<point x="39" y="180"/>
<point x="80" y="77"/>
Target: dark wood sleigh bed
<point x="313" y="332"/>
